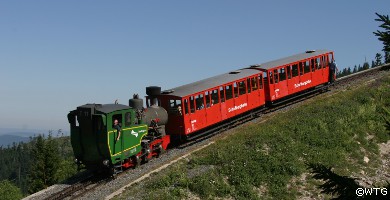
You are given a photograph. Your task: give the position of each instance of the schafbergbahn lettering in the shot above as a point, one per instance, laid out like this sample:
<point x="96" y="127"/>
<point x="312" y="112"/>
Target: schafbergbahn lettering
<point x="237" y="107"/>
<point x="302" y="83"/>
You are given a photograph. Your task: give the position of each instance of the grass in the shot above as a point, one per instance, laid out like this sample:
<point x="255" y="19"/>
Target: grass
<point x="266" y="160"/>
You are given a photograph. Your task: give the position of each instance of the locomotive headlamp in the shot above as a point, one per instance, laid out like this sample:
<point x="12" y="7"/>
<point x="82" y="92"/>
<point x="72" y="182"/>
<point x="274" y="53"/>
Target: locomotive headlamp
<point x="106" y="162"/>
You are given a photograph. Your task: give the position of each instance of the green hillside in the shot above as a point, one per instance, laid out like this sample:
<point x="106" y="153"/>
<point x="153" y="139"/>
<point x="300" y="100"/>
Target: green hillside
<point x="273" y="159"/>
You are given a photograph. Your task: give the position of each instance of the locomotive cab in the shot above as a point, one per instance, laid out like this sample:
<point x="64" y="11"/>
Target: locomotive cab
<point x="97" y="142"/>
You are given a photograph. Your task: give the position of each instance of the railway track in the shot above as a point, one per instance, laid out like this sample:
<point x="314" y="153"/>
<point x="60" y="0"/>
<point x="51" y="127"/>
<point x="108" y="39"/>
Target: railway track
<point x="91" y="183"/>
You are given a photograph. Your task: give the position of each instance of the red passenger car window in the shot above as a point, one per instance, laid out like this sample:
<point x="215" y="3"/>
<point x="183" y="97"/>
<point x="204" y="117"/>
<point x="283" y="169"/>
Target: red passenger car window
<point x="185" y="106"/>
<point x="318" y="63"/>
<point x="261" y="81"/>
<point x="307" y="66"/>
<point x="214" y="97"/>
<point x="192" y="104"/>
<point x="242" y="87"/>
<point x="276" y="76"/>
<point x="295" y="71"/>
<point x="248" y="85"/>
<point x="222" y="94"/>
<point x="312" y="65"/>
<point x="271" y="78"/>
<point x="282" y="74"/>
<point x="199" y="101"/>
<point x="229" y="92"/>
<point x="235" y="89"/>
<point x="323" y="61"/>
<point x="301" y="68"/>
<point x="207" y="98"/>
<point x="254" y="83"/>
<point x="289" y="72"/>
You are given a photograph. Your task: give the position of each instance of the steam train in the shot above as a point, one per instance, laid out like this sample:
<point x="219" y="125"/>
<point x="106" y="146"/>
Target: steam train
<point x="185" y="112"/>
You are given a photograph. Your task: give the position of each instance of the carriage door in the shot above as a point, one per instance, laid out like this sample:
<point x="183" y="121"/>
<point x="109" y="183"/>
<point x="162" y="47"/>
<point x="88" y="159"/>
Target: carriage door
<point x="276" y="88"/>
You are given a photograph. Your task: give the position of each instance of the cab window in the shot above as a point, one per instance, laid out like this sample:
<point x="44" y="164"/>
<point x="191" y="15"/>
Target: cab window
<point x="117" y="117"/>
<point x="127" y="119"/>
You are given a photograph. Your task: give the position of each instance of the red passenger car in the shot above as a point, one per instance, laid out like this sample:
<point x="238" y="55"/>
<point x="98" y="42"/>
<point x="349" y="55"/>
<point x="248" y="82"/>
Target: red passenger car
<point x="202" y="104"/>
<point x="292" y="75"/>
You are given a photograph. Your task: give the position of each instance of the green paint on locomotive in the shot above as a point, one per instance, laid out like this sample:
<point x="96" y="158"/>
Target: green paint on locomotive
<point x="93" y="136"/>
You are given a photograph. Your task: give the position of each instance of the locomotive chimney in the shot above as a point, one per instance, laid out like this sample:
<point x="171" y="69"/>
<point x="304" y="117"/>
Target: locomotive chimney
<point x="152" y="92"/>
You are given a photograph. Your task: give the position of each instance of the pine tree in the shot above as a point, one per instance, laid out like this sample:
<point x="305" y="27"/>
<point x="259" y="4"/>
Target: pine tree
<point x="366" y="66"/>
<point x="384" y="36"/>
<point x="52" y="160"/>
<point x="378" y="59"/>
<point x="45" y="164"/>
<point x="354" y="69"/>
<point x="37" y="174"/>
<point x="372" y="64"/>
<point x="387" y="57"/>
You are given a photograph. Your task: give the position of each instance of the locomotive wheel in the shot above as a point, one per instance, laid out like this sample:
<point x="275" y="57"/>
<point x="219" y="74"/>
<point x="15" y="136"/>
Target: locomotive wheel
<point x="160" y="150"/>
<point x="137" y="161"/>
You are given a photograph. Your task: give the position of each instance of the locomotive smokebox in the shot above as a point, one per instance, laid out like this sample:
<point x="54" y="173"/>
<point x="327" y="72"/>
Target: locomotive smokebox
<point x="157" y="114"/>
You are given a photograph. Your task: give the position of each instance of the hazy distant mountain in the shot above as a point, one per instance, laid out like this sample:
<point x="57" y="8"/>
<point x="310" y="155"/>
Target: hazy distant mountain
<point x="6" y="140"/>
<point x="10" y="135"/>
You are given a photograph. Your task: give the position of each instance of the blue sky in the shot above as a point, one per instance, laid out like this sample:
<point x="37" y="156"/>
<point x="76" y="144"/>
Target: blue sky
<point x="57" y="55"/>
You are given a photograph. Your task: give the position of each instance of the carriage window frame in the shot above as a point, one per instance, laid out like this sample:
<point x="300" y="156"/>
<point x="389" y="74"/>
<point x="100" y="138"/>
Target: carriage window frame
<point x="282" y="74"/>
<point x="228" y="92"/>
<point x="255" y="85"/>
<point x="312" y="65"/>
<point x="235" y="89"/>
<point x="222" y="94"/>
<point x="186" y="106"/>
<point x="295" y="70"/>
<point x="192" y="104"/>
<point x="306" y="67"/>
<point x="199" y="98"/>
<point x="248" y="85"/>
<point x="241" y="87"/>
<point x="289" y="71"/>
<point x="318" y="63"/>
<point x="214" y="97"/>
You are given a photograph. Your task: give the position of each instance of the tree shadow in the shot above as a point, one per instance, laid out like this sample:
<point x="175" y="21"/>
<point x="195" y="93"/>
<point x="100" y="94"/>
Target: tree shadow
<point x="343" y="187"/>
